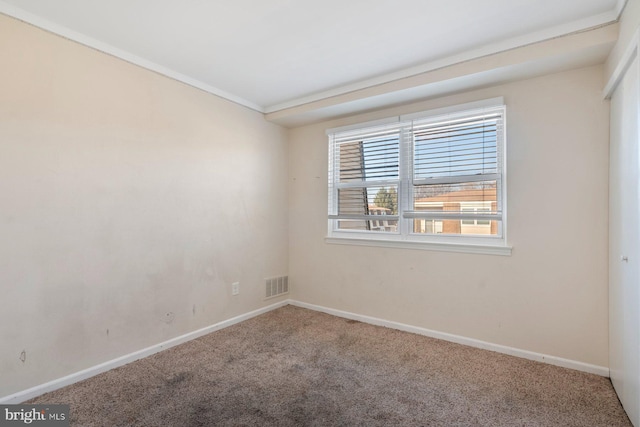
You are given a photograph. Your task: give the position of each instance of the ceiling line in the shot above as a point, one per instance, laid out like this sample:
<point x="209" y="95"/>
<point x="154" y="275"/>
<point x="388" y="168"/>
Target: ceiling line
<point x="620" y="7"/>
<point x="69" y="34"/>
<point x="497" y="47"/>
<point x="573" y="27"/>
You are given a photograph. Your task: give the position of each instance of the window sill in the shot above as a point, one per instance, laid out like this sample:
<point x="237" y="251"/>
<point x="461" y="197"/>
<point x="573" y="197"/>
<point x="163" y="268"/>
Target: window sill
<point x="428" y="246"/>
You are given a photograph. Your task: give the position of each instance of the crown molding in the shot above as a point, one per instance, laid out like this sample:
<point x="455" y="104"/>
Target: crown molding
<point x="60" y="30"/>
<point x="569" y="28"/>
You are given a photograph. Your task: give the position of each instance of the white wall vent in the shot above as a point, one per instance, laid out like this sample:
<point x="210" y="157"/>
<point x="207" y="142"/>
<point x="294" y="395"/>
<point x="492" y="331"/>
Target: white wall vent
<point x="276" y="286"/>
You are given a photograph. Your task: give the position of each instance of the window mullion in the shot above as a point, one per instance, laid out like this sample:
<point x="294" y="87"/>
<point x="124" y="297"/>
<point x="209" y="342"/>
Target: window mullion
<point x="406" y="173"/>
<point x="334" y="160"/>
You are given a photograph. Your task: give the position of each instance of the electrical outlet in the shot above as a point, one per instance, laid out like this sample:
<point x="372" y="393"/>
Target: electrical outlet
<point x="235" y="288"/>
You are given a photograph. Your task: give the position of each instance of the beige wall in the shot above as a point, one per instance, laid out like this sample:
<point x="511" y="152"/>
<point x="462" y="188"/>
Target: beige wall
<point x="549" y="297"/>
<point x="124" y="196"/>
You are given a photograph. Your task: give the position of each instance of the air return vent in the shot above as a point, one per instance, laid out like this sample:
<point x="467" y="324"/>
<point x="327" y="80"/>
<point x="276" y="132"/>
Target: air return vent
<point x="276" y="286"/>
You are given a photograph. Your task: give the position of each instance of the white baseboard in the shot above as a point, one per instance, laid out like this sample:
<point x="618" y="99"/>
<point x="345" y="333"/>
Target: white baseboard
<point x="525" y="354"/>
<point x="38" y="390"/>
<point x="123" y="360"/>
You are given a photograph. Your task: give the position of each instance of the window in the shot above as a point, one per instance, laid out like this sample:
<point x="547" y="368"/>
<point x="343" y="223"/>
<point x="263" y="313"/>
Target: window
<point x="433" y="180"/>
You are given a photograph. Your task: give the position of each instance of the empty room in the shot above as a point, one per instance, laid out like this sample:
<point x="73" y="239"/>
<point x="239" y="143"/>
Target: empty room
<point x="287" y="213"/>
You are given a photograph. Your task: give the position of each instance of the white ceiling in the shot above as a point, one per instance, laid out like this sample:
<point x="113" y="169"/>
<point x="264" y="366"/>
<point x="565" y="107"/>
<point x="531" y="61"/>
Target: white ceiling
<point x="272" y="55"/>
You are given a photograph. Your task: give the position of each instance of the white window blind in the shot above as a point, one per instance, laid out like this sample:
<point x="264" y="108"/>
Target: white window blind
<point x="365" y="169"/>
<point x="458" y="158"/>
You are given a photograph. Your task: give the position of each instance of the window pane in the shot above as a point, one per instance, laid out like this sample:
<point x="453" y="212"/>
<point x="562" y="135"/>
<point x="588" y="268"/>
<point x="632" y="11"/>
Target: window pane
<point x="457" y="147"/>
<point x="483" y="221"/>
<point x="468" y="221"/>
<point x="435" y="173"/>
<point x="379" y="201"/>
<point x="463" y="198"/>
<point x="427" y="226"/>
<point x="370" y="159"/>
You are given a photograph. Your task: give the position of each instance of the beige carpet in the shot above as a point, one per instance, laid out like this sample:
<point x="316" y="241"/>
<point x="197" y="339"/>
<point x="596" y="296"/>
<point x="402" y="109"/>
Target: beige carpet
<point x="296" y="367"/>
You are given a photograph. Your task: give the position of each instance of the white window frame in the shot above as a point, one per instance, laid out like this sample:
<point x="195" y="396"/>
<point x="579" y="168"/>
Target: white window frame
<point x="403" y="237"/>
